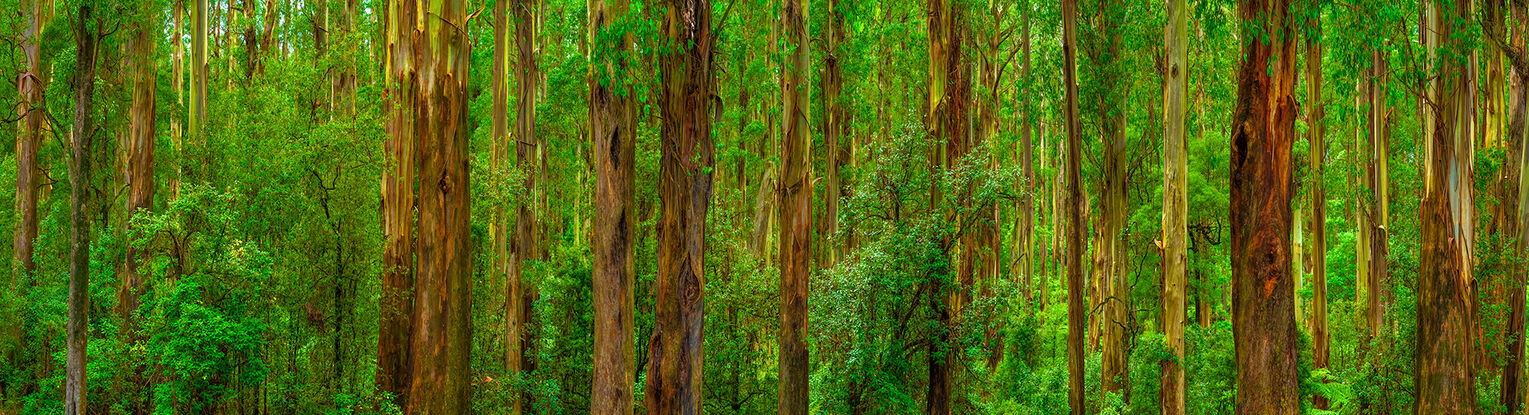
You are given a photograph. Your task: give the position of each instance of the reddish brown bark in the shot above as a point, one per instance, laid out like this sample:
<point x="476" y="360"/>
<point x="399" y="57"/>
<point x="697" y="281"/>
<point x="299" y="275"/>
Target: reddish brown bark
<point x="140" y="166"/>
<point x="615" y="149"/>
<point x="1077" y="319"/>
<point x="1263" y="129"/>
<point x="685" y="162"/>
<point x="795" y="193"/>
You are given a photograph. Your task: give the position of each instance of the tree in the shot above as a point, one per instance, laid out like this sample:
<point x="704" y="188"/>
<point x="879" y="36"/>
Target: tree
<point x="140" y="177"/>
<point x="87" y="34"/>
<point x="1318" y="186"/>
<point x="1445" y="375"/>
<point x="441" y="339"/>
<point x="795" y="193"/>
<point x="610" y="100"/>
<point x="1175" y="207"/>
<point x="1077" y="320"/>
<point x="1263" y="129"/>
<point x="526" y="242"/>
<point x="686" y="158"/>
<point x="396" y="307"/>
<point x="31" y="112"/>
<point x="1379" y="185"/>
<point x="949" y="94"/>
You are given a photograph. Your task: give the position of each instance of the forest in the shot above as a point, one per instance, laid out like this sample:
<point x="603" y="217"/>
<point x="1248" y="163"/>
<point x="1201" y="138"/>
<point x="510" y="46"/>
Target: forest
<point x="764" y="206"/>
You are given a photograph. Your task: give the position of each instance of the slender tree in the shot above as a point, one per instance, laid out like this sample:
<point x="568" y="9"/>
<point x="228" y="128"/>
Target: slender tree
<point x="1445" y="374"/>
<point x="1077" y="320"/>
<point x="615" y="137"/>
<point x="1379" y="184"/>
<point x="795" y="193"/>
<point x="87" y="34"/>
<point x="1175" y="207"/>
<point x="1318" y="191"/>
<point x="686" y="158"/>
<point x="506" y="264"/>
<point x="527" y="242"/>
<point x="1263" y="129"/>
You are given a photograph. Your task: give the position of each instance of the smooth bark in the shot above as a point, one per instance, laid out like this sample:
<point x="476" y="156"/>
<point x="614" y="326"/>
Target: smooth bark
<point x="1175" y="208"/>
<point x="86" y="37"/>
<point x="795" y="193"/>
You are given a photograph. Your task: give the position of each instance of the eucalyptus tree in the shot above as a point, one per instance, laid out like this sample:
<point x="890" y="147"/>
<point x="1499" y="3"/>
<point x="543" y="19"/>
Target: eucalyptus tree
<point x="1263" y="130"/>
<point x="615" y="135"/>
<point x="795" y="193"/>
<point x="1175" y="207"/>
<point x="88" y="32"/>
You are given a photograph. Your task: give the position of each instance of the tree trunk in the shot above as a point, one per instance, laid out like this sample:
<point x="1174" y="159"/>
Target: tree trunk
<point x="140" y="174"/>
<point x="1024" y="244"/>
<point x="835" y="130"/>
<point x="1318" y="188"/>
<point x="1263" y="130"/>
<point x="442" y="334"/>
<point x="1077" y="320"/>
<point x="1379" y="221"/>
<point x="1512" y="375"/>
<point x="526" y="243"/>
<point x="1445" y="376"/>
<point x="795" y="190"/>
<point x="197" y="111"/>
<point x="949" y="95"/>
<point x="506" y="264"/>
<point x="1175" y="207"/>
<point x="615" y="154"/>
<point x="86" y="36"/>
<point x="685" y="162"/>
<point x="396" y="306"/>
<point x="29" y="87"/>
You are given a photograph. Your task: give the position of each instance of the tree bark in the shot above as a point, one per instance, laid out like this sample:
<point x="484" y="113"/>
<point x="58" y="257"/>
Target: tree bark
<point x="615" y="154"/>
<point x="835" y="130"/>
<point x="1445" y="381"/>
<point x="685" y="162"/>
<point x="140" y="167"/>
<point x="1318" y="185"/>
<point x="31" y="110"/>
<point x="1077" y="320"/>
<point x="442" y="333"/>
<point x="1263" y="130"/>
<point x="396" y="307"/>
<point x="86" y="37"/>
<point x="506" y="263"/>
<point x="1379" y="184"/>
<point x="795" y="193"/>
<point x="1175" y="207"/>
<point x="949" y="96"/>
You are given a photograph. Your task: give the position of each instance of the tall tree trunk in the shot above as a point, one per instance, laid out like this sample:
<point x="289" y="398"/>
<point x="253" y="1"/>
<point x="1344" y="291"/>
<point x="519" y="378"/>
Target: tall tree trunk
<point x="29" y="87"/>
<point x="440" y="348"/>
<point x="1263" y="129"/>
<point x="1512" y="375"/>
<point x="1318" y="190"/>
<point x="615" y="137"/>
<point x="835" y="129"/>
<point x="685" y="162"/>
<point x="949" y="93"/>
<point x="1024" y="244"/>
<point x="140" y="177"/>
<point x="396" y="307"/>
<point x="86" y="36"/>
<point x="795" y="193"/>
<point x="526" y="244"/>
<point x="1445" y="375"/>
<point x="506" y="264"/>
<point x="198" y="106"/>
<point x="1077" y="319"/>
<point x="1379" y="184"/>
<point x="1175" y="207"/>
